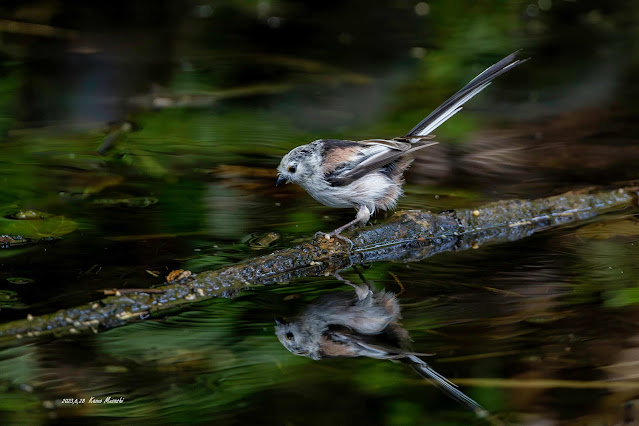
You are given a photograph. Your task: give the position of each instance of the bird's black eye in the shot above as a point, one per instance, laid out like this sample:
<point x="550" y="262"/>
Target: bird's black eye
<point x="289" y="336"/>
<point x="291" y="169"/>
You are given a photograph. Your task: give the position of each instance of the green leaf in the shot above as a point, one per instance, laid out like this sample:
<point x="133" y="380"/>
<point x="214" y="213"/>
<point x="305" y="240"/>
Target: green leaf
<point x="53" y="226"/>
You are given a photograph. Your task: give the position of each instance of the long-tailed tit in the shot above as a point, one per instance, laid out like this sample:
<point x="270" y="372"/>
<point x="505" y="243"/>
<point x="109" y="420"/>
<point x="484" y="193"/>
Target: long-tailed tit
<point x="367" y="324"/>
<point x="368" y="175"/>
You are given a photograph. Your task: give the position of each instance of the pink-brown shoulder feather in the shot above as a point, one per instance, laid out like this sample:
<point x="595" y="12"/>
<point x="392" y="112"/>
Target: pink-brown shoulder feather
<point x="333" y="349"/>
<point x="337" y="156"/>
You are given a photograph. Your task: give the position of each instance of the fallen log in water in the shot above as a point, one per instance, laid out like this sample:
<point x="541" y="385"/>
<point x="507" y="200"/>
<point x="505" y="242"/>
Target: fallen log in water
<point x="408" y="236"/>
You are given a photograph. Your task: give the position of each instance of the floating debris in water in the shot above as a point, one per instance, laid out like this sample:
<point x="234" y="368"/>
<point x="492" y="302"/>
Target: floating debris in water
<point x="178" y="275"/>
<point x="27" y="215"/>
<point x="262" y="241"/>
<point x="20" y="280"/>
<point x="133" y="202"/>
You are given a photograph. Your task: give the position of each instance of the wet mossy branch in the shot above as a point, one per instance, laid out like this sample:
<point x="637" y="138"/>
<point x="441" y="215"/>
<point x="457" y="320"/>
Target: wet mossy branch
<point x="408" y="236"/>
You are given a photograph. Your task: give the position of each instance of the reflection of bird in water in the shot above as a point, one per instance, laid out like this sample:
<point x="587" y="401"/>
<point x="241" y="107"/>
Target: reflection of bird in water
<point x="346" y="325"/>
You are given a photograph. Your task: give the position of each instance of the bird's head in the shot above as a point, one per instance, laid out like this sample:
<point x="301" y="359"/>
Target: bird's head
<point x="288" y="334"/>
<point x="298" y="165"/>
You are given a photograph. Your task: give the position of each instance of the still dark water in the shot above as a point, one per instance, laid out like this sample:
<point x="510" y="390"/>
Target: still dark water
<point x="142" y="137"/>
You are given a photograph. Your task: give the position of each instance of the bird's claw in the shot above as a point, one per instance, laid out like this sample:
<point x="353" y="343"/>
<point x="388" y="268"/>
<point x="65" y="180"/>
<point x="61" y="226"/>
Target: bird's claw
<point x="328" y="237"/>
<point x="362" y="292"/>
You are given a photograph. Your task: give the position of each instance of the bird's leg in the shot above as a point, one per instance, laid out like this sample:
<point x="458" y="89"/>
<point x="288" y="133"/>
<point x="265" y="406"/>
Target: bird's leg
<point x="362" y="291"/>
<point x="360" y="275"/>
<point x="363" y="214"/>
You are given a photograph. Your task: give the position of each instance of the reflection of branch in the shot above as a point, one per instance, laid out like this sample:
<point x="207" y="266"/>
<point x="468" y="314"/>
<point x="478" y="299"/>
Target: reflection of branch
<point x="408" y="236"/>
<point x="40" y="30"/>
<point x="165" y="99"/>
<point x="317" y="72"/>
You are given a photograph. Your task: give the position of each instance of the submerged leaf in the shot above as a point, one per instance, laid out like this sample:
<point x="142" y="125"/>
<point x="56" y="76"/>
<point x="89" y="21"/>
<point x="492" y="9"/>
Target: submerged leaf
<point x="44" y="227"/>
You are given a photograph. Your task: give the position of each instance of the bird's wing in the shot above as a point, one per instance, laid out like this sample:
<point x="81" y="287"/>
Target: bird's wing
<point x="455" y="103"/>
<point x="368" y="345"/>
<point x="373" y="154"/>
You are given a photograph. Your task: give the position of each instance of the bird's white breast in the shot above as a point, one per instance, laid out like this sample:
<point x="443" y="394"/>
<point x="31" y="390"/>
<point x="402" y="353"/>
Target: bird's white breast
<point x="371" y="191"/>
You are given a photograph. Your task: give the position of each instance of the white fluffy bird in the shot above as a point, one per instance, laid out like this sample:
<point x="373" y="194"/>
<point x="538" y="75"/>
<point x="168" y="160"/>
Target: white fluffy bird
<point x="368" y="175"/>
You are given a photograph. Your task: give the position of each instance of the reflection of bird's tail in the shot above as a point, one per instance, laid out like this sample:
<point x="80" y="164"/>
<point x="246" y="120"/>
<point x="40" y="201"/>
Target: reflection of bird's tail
<point x="444" y="384"/>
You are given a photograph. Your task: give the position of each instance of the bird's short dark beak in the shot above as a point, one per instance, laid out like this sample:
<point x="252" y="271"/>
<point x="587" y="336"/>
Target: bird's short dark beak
<point x="281" y="180"/>
<point x="280" y="321"/>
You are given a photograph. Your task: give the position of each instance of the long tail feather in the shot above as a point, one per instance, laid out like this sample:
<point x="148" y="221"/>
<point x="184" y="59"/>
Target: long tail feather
<point x="448" y="387"/>
<point x="455" y="103"/>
